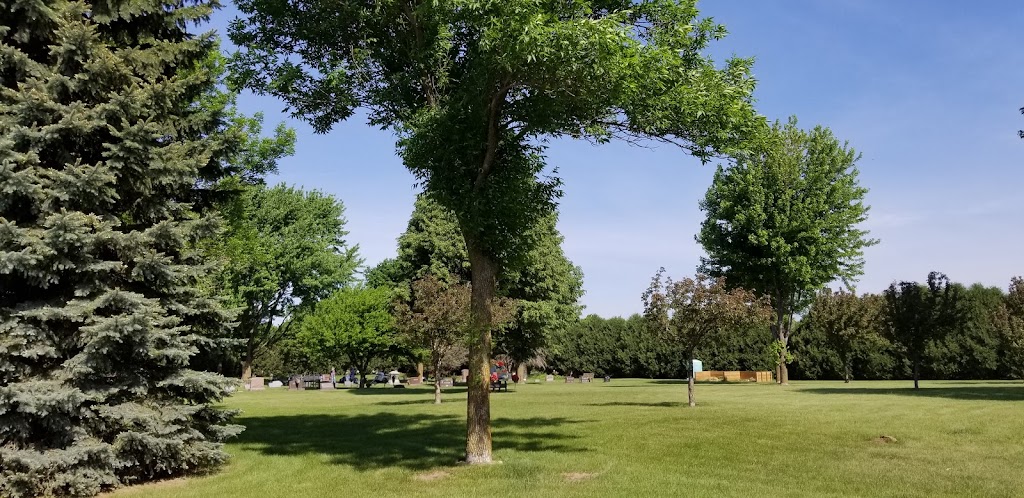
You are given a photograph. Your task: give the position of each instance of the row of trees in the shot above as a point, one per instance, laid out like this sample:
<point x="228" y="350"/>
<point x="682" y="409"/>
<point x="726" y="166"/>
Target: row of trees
<point x="936" y="329"/>
<point x="939" y="329"/>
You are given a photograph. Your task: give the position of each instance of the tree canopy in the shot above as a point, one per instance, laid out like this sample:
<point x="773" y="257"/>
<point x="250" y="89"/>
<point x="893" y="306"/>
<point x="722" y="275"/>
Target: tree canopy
<point x="916" y="316"/>
<point x="354" y="326"/>
<point x="783" y="221"/>
<point x="474" y="89"/>
<point x="845" y="321"/>
<point x="285" y="249"/>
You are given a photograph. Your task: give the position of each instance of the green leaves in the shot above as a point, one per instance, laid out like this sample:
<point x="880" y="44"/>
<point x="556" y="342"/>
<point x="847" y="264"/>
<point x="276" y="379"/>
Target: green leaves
<point x="352" y="325"/>
<point x="784" y="219"/>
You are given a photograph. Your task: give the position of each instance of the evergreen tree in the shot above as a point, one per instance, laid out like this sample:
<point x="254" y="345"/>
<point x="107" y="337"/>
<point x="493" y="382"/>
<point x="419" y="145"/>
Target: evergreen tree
<point x="108" y="149"/>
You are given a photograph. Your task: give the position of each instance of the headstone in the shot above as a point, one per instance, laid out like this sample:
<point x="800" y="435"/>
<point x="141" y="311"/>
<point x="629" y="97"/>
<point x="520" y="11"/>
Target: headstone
<point x="550" y="378"/>
<point x="255" y="384"/>
<point x="414" y="381"/>
<point x="447" y="382"/>
<point x="275" y="383"/>
<point x="465" y="376"/>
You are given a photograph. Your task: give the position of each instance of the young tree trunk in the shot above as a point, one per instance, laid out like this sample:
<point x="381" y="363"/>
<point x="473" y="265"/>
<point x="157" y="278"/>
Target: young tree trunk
<point x="781" y="335"/>
<point x="847" y="370"/>
<point x="917" y="372"/>
<point x="689" y="383"/>
<point x="521" y="372"/>
<point x="437" y="381"/>
<point x="419" y="371"/>
<point x="362" y="374"/>
<point x="478" y="406"/>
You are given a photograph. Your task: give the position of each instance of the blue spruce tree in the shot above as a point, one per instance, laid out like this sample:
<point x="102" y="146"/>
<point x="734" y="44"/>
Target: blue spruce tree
<point x="110" y="144"/>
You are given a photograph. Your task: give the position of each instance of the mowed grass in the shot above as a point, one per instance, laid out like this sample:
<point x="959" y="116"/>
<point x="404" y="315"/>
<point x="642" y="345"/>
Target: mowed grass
<point x="629" y="438"/>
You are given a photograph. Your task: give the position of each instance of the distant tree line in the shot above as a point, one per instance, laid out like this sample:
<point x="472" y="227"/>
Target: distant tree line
<point x="954" y="331"/>
<point x="625" y="347"/>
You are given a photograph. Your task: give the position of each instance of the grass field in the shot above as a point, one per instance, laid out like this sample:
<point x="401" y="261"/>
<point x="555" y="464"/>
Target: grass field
<point x="629" y="438"/>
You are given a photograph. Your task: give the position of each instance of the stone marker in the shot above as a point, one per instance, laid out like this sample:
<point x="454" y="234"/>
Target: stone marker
<point x="550" y="378"/>
<point x="255" y="384"/>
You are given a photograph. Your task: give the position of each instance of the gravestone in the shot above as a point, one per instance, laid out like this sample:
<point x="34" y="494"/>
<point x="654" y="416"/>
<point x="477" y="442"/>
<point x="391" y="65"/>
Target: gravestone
<point x="465" y="376"/>
<point x="447" y="382"/>
<point x="414" y="381"/>
<point x="255" y="384"/>
<point x="550" y="378"/>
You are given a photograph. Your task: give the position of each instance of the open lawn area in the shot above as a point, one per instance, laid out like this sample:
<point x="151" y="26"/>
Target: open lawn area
<point x="629" y="438"/>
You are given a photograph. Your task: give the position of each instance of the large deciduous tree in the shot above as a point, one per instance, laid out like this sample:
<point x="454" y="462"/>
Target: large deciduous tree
<point x="285" y="250"/>
<point x="475" y="89"/>
<point x="352" y="325"/>
<point x="109" y="148"/>
<point x="688" y="311"/>
<point x="846" y="321"/>
<point x="783" y="221"/>
<point x="917" y="315"/>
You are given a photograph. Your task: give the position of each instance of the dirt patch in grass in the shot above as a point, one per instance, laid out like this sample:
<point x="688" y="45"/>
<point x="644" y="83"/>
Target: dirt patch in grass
<point x="432" y="475"/>
<point x="577" y="476"/>
<point x="883" y="439"/>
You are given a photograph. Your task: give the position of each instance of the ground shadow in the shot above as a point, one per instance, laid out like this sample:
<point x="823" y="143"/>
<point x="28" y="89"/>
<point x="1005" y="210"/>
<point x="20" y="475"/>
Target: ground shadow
<point x="977" y="392"/>
<point x="663" y="404"/>
<point x="415" y="441"/>
<point x="390" y="391"/>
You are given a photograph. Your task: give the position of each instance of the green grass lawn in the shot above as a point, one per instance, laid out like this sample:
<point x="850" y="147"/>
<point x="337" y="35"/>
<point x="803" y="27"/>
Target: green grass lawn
<point x="629" y="438"/>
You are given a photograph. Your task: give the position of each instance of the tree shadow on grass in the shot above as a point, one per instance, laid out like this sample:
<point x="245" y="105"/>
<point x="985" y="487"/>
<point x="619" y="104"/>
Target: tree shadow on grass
<point x="988" y="393"/>
<point x="663" y="404"/>
<point x="413" y="441"/>
<point x="390" y="391"/>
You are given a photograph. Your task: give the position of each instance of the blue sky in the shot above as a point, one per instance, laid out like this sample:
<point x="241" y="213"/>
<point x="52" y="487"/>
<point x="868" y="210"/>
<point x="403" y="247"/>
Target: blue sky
<point x="927" y="91"/>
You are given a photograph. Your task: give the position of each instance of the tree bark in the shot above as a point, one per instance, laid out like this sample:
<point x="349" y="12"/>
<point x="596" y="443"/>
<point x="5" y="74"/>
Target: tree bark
<point x="690" y="382"/>
<point x="437" y="381"/>
<point x="478" y="405"/>
<point x="362" y="374"/>
<point x="419" y="371"/>
<point x="917" y="372"/>
<point x="247" y="362"/>
<point x="521" y="372"/>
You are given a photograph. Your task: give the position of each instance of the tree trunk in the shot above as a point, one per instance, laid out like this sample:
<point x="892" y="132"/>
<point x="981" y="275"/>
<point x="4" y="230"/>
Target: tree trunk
<point x="917" y="372"/>
<point x="437" y="381"/>
<point x="689" y="383"/>
<point x="847" y="371"/>
<point x="419" y="371"/>
<point x="521" y="372"/>
<point x="781" y="335"/>
<point x="362" y="375"/>
<point x="250" y="347"/>
<point x="478" y="404"/>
